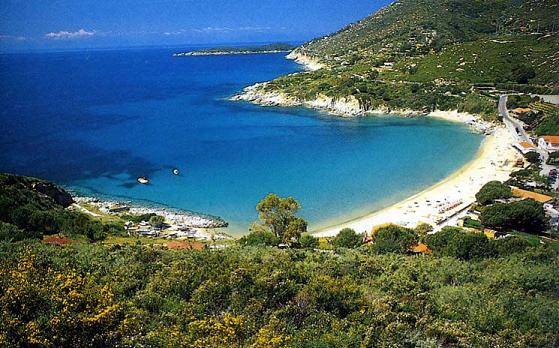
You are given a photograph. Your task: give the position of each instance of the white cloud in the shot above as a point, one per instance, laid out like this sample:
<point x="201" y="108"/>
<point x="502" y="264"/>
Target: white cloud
<point x="70" y="34"/>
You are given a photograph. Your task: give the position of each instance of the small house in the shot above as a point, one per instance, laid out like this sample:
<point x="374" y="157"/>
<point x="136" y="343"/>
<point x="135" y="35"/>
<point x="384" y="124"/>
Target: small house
<point x="524" y="147"/>
<point x="549" y="143"/>
<point x="421" y="248"/>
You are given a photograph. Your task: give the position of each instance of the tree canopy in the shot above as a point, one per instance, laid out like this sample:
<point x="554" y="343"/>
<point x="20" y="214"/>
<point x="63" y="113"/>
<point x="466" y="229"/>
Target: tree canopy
<point x="394" y="239"/>
<point x="493" y="190"/>
<point x="278" y="215"/>
<point x="347" y="238"/>
<point x="526" y="215"/>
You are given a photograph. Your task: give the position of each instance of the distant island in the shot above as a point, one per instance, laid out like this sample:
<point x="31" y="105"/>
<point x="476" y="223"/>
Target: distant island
<point x="218" y="51"/>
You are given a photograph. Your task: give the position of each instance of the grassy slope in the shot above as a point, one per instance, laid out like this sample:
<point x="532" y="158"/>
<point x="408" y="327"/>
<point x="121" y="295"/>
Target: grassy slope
<point x="460" y="42"/>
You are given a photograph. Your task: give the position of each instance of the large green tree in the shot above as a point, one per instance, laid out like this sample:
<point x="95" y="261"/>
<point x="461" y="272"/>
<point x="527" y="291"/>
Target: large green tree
<point x="455" y="242"/>
<point x="527" y="215"/>
<point x="491" y="191"/>
<point x="347" y="238"/>
<point x="394" y="239"/>
<point x="278" y="215"/>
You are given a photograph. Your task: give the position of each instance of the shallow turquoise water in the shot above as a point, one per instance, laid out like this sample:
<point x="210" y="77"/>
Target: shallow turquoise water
<point x="97" y="120"/>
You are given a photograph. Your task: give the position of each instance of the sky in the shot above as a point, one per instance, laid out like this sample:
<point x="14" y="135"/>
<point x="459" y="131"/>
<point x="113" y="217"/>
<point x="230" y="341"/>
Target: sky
<point x="72" y="24"/>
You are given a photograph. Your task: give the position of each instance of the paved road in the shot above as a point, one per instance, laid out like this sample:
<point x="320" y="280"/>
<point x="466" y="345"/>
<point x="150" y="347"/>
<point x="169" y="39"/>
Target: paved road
<point x="514" y="126"/>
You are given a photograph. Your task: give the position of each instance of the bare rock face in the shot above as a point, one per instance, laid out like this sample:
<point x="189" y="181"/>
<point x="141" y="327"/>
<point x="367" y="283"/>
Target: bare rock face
<point x="58" y="195"/>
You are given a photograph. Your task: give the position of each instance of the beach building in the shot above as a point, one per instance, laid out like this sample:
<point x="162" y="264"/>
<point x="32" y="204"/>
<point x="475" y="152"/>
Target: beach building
<point x="538" y="197"/>
<point x="524" y="147"/>
<point x="519" y="111"/>
<point x="549" y="143"/>
<point x="421" y="248"/>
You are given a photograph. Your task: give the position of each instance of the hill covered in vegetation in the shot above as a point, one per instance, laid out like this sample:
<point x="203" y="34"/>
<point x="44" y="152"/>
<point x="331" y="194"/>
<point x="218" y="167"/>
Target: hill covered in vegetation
<point x="426" y="55"/>
<point x="275" y="287"/>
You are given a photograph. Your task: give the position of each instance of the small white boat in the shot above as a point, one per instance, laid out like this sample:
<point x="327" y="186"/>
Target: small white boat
<point x="176" y="171"/>
<point x="143" y="180"/>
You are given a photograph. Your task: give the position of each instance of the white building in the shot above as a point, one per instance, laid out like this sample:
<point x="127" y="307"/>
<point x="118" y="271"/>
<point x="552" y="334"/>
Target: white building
<point x="549" y="143"/>
<point x="524" y="147"/>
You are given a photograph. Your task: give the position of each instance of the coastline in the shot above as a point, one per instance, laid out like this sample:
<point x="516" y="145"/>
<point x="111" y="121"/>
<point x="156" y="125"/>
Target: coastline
<point x="438" y="205"/>
<point x="349" y="107"/>
<point x="494" y="161"/>
<point x="308" y="62"/>
<point x="200" y="226"/>
<point x="225" y="53"/>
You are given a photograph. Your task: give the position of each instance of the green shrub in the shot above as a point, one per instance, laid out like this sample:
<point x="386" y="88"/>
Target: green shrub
<point x="491" y="191"/>
<point x="526" y="215"/>
<point x="260" y="238"/>
<point x="347" y="238"/>
<point x="455" y="242"/>
<point x="308" y="241"/>
<point x="394" y="239"/>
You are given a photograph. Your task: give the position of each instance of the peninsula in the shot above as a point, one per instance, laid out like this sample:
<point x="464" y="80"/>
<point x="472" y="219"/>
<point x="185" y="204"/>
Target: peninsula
<point x="399" y="61"/>
<point x="220" y="51"/>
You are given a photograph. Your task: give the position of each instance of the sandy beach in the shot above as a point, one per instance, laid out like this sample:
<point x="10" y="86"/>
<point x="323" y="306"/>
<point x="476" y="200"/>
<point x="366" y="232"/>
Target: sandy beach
<point x="442" y="203"/>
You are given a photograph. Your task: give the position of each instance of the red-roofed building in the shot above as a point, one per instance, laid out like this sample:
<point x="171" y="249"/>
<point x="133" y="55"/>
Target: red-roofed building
<point x="549" y="143"/>
<point x="524" y="147"/>
<point x="421" y="248"/>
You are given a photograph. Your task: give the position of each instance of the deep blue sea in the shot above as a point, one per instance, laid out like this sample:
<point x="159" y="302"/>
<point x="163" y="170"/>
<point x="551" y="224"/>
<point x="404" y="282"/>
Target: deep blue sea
<point x="95" y="121"/>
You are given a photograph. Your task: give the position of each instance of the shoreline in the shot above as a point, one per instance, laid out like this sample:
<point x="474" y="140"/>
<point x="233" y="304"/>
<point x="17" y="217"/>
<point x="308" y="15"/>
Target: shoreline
<point x="494" y="161"/>
<point x="442" y="203"/>
<point x="225" y="53"/>
<point x="200" y="226"/>
<point x="349" y="107"/>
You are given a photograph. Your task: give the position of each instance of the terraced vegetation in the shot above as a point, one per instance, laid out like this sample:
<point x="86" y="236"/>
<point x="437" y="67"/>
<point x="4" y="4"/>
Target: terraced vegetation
<point x="542" y="119"/>
<point x="426" y="55"/>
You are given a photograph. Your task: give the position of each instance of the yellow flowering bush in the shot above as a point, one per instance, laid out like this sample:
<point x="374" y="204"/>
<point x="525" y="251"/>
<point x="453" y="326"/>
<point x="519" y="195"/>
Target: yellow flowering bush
<point x="40" y="306"/>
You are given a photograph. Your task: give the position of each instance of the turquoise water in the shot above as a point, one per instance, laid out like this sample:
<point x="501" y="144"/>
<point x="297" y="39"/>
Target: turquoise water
<point x="97" y="120"/>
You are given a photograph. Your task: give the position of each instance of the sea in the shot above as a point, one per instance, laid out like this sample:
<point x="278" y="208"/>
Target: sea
<point x="94" y="121"/>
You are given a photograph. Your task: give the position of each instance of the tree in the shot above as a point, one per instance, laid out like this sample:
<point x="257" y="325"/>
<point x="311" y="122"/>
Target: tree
<point x="510" y="245"/>
<point x="456" y="242"/>
<point x="491" y="191"/>
<point x="523" y="73"/>
<point x="532" y="157"/>
<point x="296" y="227"/>
<point x="526" y="215"/>
<point x="422" y="229"/>
<point x="394" y="239"/>
<point x="260" y="238"/>
<point x="553" y="158"/>
<point x="157" y="221"/>
<point x="347" y="238"/>
<point x="278" y="215"/>
<point x="308" y="241"/>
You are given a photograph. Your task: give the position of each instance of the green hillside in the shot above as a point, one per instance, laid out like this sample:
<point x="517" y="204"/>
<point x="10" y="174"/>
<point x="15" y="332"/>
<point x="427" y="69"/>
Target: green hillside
<point x="442" y="46"/>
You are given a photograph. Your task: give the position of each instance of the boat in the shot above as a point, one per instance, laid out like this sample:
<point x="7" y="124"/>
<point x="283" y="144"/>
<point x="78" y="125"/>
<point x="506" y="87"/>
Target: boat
<point x="176" y="171"/>
<point x="143" y="180"/>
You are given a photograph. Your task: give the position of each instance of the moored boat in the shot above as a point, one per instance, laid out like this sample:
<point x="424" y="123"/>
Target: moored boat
<point x="143" y="180"/>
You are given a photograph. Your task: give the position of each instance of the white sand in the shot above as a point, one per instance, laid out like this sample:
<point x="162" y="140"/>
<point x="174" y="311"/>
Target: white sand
<point x="495" y="160"/>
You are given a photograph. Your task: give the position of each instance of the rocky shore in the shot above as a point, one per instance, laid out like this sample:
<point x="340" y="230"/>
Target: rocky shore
<point x="172" y="216"/>
<point x="348" y="106"/>
<point x="308" y="62"/>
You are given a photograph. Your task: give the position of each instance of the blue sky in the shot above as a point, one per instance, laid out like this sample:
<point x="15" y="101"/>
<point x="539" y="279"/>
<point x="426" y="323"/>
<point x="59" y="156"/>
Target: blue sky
<point x="65" y="24"/>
